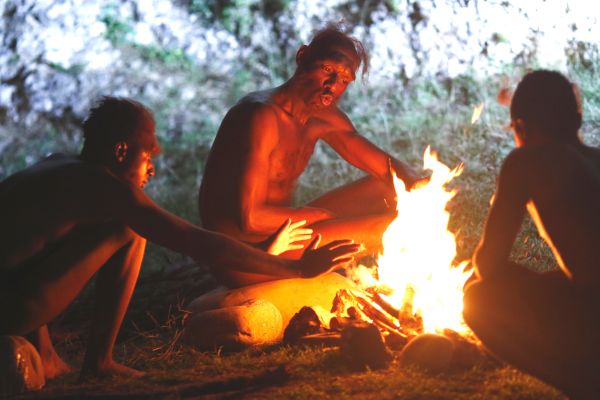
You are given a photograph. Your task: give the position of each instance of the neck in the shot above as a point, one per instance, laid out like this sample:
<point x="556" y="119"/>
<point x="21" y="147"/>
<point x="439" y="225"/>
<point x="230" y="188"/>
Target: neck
<point x="286" y="96"/>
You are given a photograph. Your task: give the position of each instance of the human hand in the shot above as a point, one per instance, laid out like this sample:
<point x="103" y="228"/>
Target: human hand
<point x="412" y="179"/>
<point x="329" y="257"/>
<point x="288" y="237"/>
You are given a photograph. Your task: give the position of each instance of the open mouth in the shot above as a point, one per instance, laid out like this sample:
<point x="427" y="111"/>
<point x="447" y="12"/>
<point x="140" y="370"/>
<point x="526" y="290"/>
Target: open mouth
<point x="326" y="99"/>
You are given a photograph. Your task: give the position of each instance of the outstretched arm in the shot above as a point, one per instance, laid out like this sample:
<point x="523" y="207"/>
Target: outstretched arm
<point x="222" y="253"/>
<point x="341" y="135"/>
<point x="504" y="219"/>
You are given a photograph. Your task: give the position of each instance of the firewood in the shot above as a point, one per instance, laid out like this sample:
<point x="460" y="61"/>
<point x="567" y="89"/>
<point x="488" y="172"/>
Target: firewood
<point x="375" y="312"/>
<point x="377" y="299"/>
<point x="322" y="339"/>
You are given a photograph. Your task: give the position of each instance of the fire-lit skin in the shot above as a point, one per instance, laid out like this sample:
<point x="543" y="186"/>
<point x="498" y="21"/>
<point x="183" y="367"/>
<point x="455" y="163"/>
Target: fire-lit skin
<point x="544" y="323"/>
<point x="66" y="218"/>
<point x="265" y="142"/>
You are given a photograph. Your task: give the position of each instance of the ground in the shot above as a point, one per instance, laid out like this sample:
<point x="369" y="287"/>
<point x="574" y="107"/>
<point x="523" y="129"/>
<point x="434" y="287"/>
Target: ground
<point x="149" y="341"/>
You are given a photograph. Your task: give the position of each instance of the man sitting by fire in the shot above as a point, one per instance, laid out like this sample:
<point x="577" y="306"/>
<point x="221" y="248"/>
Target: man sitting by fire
<point x="266" y="140"/>
<point x="68" y="217"/>
<point x="544" y="323"/>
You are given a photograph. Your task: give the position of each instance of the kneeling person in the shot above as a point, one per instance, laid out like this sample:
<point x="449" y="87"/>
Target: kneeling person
<point x="546" y="324"/>
<point x="68" y="217"/>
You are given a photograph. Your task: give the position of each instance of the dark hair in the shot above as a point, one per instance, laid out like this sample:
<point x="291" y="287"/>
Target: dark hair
<point x="116" y="119"/>
<point x="334" y="35"/>
<point x="547" y="99"/>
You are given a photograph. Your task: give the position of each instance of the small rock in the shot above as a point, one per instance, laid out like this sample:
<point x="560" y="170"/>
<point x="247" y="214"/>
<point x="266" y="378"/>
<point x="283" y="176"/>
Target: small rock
<point x="363" y="344"/>
<point x="429" y="351"/>
<point x="21" y="368"/>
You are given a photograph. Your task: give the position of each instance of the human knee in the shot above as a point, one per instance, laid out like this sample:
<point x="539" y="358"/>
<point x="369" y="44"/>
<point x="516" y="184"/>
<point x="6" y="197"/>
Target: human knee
<point x="475" y="300"/>
<point x="124" y="234"/>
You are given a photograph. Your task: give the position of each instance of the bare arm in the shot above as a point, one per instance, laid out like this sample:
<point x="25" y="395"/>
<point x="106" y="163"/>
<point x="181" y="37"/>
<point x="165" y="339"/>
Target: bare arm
<point x="222" y="253"/>
<point x="360" y="152"/>
<point x="256" y="215"/>
<point x="504" y="219"/>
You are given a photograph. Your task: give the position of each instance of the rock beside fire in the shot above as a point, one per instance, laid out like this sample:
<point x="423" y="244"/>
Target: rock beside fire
<point x="255" y="322"/>
<point x="429" y="351"/>
<point x="363" y="345"/>
<point x="304" y="322"/>
<point x="21" y="367"/>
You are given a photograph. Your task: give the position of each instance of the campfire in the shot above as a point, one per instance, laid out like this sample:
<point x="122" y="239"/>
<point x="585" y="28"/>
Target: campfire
<point x="415" y="290"/>
<point x="416" y="272"/>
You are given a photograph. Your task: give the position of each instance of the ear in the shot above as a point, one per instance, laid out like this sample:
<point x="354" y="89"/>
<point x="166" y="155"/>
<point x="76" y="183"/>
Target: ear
<point x="301" y="53"/>
<point x="120" y="151"/>
<point x="520" y="130"/>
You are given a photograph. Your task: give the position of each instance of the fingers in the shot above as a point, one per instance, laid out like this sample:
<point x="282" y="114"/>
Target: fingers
<point x="315" y="242"/>
<point x="344" y="251"/>
<point x="337" y="243"/>
<point x="297" y="224"/>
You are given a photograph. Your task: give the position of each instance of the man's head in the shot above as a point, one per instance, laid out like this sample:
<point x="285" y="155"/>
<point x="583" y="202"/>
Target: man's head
<point x="545" y="103"/>
<point x="119" y="133"/>
<point x="328" y="64"/>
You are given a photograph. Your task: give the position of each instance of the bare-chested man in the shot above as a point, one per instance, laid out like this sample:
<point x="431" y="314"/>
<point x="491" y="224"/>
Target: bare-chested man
<point x="66" y="218"/>
<point x="265" y="141"/>
<point x="547" y="324"/>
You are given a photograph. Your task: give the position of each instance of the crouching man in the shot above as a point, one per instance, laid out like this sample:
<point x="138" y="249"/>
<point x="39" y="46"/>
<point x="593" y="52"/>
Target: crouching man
<point x="546" y="324"/>
<point x="68" y="217"/>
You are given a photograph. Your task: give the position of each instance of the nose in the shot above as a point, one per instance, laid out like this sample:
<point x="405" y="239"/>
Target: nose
<point x="331" y="81"/>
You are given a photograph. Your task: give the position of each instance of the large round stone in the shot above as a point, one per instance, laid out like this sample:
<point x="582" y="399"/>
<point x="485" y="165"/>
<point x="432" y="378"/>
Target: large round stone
<point x="255" y="322"/>
<point x="21" y="368"/>
<point x="429" y="351"/>
<point x="288" y="295"/>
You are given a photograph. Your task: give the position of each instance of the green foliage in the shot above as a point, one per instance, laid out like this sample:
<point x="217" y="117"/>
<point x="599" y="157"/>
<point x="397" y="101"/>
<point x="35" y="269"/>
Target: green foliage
<point x="118" y="31"/>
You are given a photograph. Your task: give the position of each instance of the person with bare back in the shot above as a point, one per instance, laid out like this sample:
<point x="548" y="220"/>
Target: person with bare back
<point x="67" y="218"/>
<point x="544" y="323"/>
<point x="266" y="140"/>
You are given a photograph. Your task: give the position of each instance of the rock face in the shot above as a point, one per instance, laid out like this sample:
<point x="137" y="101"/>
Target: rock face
<point x="254" y="322"/>
<point x="21" y="367"/>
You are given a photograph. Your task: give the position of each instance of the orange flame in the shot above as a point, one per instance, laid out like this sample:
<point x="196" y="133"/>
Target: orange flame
<point x="419" y="251"/>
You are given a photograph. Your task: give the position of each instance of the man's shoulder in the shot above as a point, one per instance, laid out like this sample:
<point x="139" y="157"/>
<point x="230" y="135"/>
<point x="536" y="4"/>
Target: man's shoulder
<point x="255" y="104"/>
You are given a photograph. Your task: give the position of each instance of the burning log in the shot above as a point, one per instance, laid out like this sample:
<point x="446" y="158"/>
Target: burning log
<point x="379" y="316"/>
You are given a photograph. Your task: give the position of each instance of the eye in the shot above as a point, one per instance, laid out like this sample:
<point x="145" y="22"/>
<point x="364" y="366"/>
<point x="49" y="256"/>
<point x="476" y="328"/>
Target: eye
<point x="327" y="68"/>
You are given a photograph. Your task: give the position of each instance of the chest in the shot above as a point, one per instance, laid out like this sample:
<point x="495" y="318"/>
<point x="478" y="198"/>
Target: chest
<point x="292" y="153"/>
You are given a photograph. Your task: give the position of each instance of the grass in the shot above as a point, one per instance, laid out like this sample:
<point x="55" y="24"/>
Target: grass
<point x="401" y="119"/>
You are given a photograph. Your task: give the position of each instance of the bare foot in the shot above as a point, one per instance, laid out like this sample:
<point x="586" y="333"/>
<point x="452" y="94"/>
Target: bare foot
<point x="54" y="366"/>
<point x="110" y="370"/>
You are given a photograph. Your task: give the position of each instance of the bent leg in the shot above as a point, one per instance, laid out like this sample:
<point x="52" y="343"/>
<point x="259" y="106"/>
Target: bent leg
<point x="114" y="287"/>
<point x="42" y="289"/>
<point x="364" y="196"/>
<point x="539" y="324"/>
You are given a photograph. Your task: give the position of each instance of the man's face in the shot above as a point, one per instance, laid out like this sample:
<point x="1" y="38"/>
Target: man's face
<point x="139" y="168"/>
<point x="325" y="79"/>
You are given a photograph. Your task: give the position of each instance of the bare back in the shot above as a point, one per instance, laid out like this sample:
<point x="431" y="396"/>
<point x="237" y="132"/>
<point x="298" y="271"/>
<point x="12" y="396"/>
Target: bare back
<point x="565" y="196"/>
<point x="559" y="184"/>
<point x="43" y="203"/>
